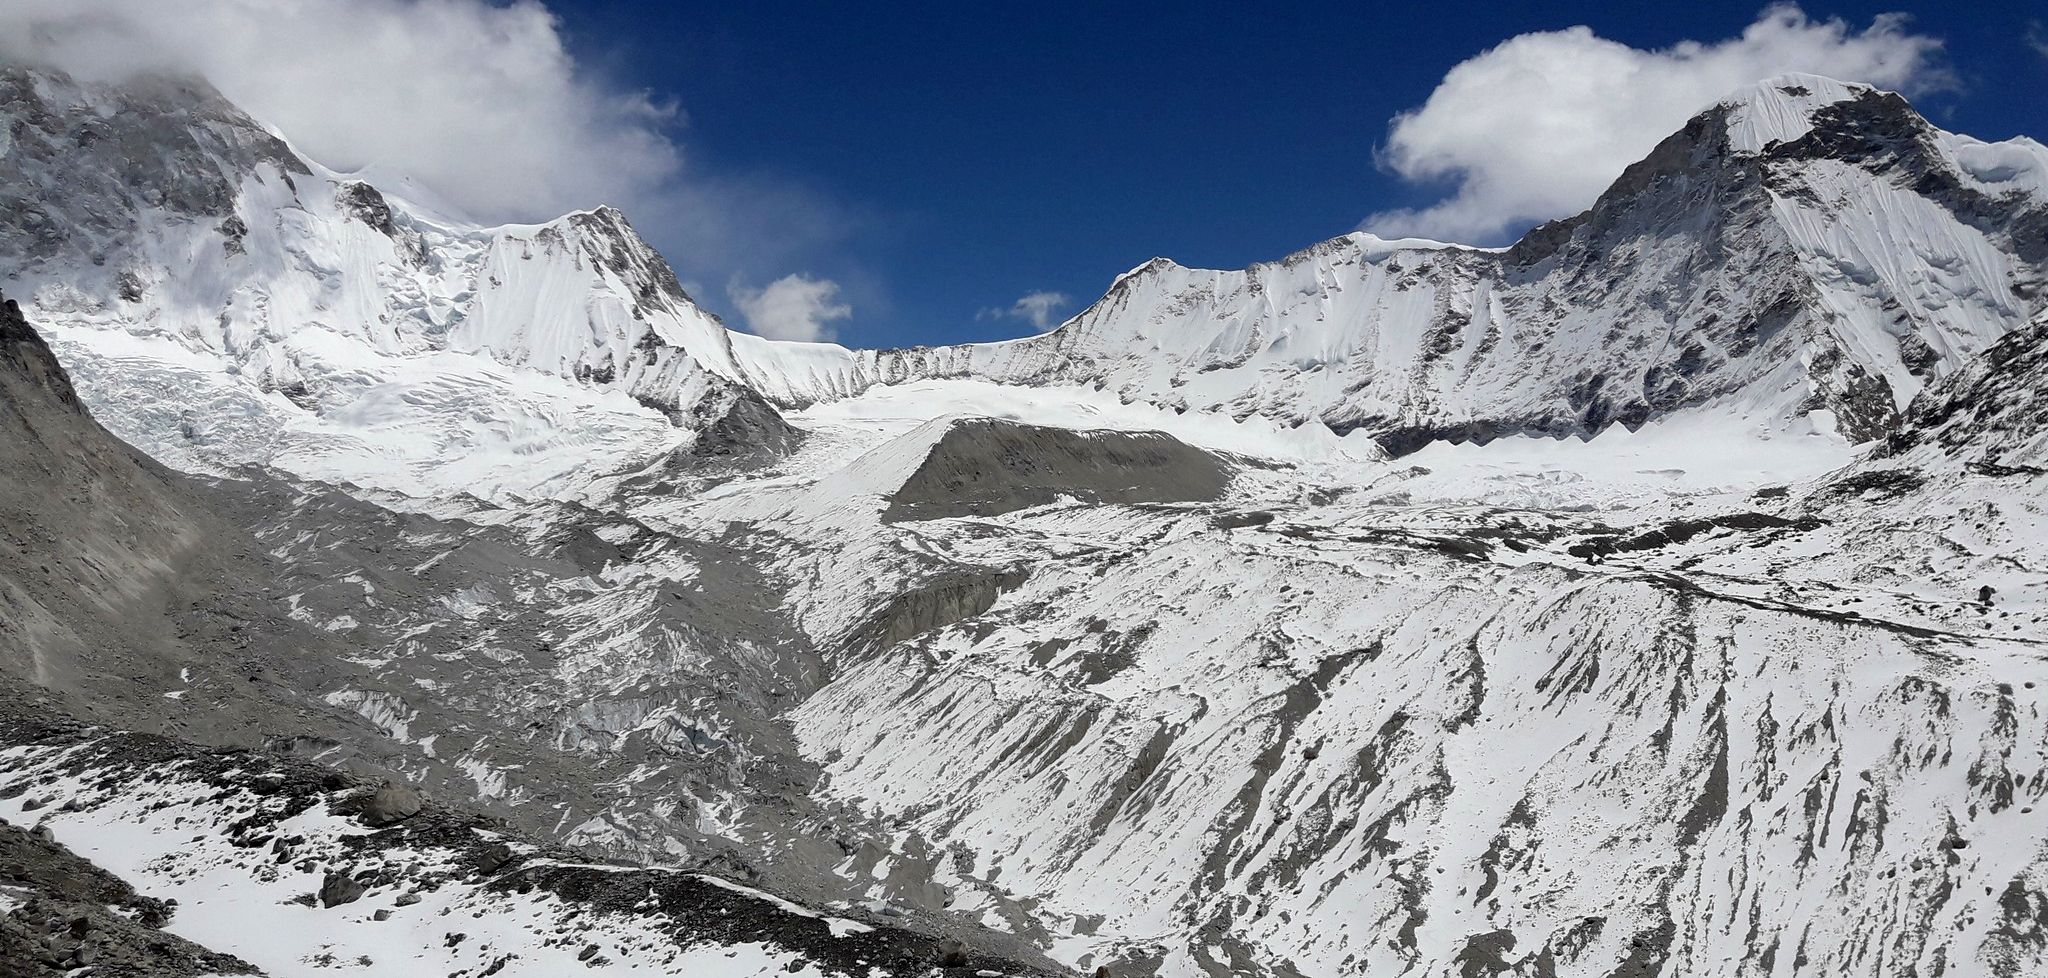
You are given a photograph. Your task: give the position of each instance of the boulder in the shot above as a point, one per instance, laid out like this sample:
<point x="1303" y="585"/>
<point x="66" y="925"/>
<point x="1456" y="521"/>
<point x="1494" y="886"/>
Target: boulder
<point x="493" y="857"/>
<point x="389" y="805"/>
<point x="337" y="889"/>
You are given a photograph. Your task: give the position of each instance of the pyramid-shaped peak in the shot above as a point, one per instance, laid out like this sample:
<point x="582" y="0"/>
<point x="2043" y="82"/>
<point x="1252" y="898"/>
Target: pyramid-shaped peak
<point x="1781" y="108"/>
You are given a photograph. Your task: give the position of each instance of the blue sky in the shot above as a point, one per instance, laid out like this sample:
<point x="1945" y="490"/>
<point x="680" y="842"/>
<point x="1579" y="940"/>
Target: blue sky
<point x="972" y="154"/>
<point x="901" y="173"/>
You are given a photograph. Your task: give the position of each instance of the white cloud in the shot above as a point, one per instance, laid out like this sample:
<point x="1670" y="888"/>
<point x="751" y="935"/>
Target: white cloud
<point x="1036" y="308"/>
<point x="1538" y="126"/>
<point x="480" y="101"/>
<point x="793" y="307"/>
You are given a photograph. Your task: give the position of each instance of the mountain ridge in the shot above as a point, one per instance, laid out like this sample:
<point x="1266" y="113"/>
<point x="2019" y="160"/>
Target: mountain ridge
<point x="1854" y="381"/>
<point x="1612" y="316"/>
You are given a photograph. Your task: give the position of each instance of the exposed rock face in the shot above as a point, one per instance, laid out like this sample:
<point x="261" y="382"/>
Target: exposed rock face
<point x="937" y="603"/>
<point x="987" y="467"/>
<point x="749" y="429"/>
<point x="168" y="145"/>
<point x="365" y="204"/>
<point x="26" y="358"/>
<point x="1993" y="413"/>
<point x="112" y="576"/>
<point x="67" y="912"/>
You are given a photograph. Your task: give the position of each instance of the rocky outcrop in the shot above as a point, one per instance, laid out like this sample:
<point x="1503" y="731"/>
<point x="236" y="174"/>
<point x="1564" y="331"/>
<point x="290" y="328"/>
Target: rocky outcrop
<point x="936" y="602"/>
<point x="65" y="914"/>
<point x="1991" y="414"/>
<point x="984" y="467"/>
<point x="337" y="889"/>
<point x="748" y="430"/>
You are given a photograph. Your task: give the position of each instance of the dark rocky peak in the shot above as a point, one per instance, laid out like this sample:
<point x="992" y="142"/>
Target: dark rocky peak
<point x="1871" y="127"/>
<point x="1881" y="134"/>
<point x="24" y="355"/>
<point x="1692" y="159"/>
<point x="86" y="161"/>
<point x="611" y="239"/>
<point x="366" y="204"/>
<point x="1991" y="413"/>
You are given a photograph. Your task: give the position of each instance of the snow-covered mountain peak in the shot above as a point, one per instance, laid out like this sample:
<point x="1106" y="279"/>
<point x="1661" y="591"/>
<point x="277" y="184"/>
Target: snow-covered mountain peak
<point x="1782" y="108"/>
<point x="1372" y="245"/>
<point x="1805" y="254"/>
<point x="313" y="318"/>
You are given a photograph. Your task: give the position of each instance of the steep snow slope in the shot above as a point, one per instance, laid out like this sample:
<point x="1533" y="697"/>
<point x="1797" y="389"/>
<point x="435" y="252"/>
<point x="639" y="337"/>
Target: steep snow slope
<point x="187" y="259"/>
<point x="1805" y="247"/>
<point x="1322" y="747"/>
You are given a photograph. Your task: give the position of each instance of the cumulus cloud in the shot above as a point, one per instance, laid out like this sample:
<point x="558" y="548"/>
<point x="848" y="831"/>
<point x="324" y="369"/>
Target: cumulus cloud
<point x="479" y="101"/>
<point x="793" y="307"/>
<point x="1538" y="126"/>
<point x="1037" y="308"/>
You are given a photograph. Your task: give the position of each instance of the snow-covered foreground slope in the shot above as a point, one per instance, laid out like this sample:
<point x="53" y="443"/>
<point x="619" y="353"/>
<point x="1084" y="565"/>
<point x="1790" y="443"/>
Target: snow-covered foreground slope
<point x="281" y="865"/>
<point x="1364" y="748"/>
